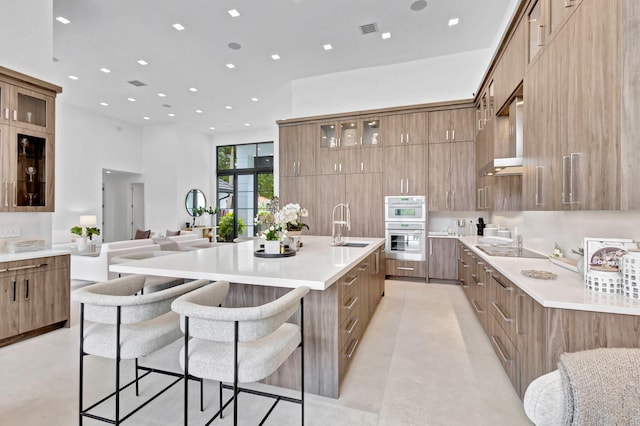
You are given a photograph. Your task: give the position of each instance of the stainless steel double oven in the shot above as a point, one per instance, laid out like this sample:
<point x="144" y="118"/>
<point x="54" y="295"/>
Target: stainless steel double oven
<point x="405" y="227"/>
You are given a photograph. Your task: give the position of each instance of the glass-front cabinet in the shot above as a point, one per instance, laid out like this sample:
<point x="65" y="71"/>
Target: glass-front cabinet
<point x="350" y="133"/>
<point x="27" y="178"/>
<point x="26" y="108"/>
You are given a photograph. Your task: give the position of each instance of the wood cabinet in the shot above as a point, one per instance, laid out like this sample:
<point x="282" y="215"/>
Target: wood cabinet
<point x="364" y="194"/>
<point x="405" y="173"/>
<point x="510" y="69"/>
<point x="405" y="129"/>
<point x="455" y="125"/>
<point x="452" y="176"/>
<point x="443" y="258"/>
<point x="27" y="145"/>
<point x="297" y="150"/>
<point x="351" y="160"/>
<point x="301" y="190"/>
<point x="406" y="268"/>
<point x="34" y="295"/>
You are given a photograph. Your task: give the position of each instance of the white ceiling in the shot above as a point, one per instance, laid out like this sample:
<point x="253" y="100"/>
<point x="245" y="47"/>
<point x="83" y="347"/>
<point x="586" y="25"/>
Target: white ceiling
<point x="117" y="33"/>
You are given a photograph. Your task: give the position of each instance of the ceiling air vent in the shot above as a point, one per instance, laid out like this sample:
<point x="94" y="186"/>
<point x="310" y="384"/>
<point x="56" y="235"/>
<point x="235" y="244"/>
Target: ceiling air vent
<point x="369" y="28"/>
<point x="137" y="83"/>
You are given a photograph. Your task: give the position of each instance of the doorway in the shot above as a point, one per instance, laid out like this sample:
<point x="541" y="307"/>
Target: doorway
<point x="122" y="205"/>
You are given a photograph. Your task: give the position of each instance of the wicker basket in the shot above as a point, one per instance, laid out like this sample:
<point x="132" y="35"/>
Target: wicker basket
<point x="604" y="282"/>
<point x="630" y="271"/>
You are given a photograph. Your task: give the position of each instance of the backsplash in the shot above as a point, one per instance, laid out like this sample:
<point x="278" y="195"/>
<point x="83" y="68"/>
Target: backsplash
<point x="540" y="230"/>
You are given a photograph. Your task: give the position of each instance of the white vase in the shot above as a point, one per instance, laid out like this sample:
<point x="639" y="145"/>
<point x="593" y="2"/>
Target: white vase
<point x="272" y="247"/>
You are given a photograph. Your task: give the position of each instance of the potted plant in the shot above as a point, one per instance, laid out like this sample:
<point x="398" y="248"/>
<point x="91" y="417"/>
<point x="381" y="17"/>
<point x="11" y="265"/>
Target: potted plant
<point x="225" y="227"/>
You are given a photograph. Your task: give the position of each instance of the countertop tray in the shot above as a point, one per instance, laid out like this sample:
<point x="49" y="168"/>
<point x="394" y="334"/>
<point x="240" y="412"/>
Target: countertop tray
<point x="287" y="253"/>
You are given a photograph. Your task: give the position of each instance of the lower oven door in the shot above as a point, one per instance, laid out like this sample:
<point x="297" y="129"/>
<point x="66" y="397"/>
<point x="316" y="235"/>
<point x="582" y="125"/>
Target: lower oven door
<point x="405" y="244"/>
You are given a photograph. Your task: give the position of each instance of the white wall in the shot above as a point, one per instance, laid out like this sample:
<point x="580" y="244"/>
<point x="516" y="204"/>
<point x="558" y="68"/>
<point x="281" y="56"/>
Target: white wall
<point x="175" y="160"/>
<point x="429" y="80"/>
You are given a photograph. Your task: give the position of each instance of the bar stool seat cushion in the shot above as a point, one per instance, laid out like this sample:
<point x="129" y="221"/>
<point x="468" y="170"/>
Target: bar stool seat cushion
<point x="257" y="359"/>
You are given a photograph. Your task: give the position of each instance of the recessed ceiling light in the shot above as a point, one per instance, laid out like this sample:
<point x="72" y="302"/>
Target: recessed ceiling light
<point x="162" y="95"/>
<point x="418" y="5"/>
<point x="178" y="26"/>
<point x="105" y="70"/>
<point x="234" y="46"/>
<point x="234" y="13"/>
<point x="104" y="104"/>
<point x="131" y="99"/>
<point x="228" y="107"/>
<point x="199" y="111"/>
<point x="143" y="62"/>
<point x="212" y="128"/>
<point x="230" y="66"/>
<point x="254" y="99"/>
<point x="146" y="118"/>
<point x="73" y="77"/>
<point x="247" y="124"/>
<point x="193" y="89"/>
<point x="171" y="114"/>
<point x="385" y="36"/>
<point x="63" y="20"/>
<point x="453" y="21"/>
<point x="275" y="56"/>
<point x="107" y="171"/>
<point x="327" y="47"/>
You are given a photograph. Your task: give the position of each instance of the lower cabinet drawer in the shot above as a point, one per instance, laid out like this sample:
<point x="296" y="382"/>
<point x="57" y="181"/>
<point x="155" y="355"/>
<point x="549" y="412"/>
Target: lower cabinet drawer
<point x="506" y="352"/>
<point x="348" y="351"/>
<point x="407" y="268"/>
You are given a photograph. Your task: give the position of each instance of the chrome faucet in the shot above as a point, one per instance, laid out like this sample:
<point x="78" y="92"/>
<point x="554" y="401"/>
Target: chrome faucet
<point x="519" y="242"/>
<point x="341" y="219"/>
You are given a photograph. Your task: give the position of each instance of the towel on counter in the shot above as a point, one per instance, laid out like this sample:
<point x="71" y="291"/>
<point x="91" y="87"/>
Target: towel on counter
<point x="602" y="387"/>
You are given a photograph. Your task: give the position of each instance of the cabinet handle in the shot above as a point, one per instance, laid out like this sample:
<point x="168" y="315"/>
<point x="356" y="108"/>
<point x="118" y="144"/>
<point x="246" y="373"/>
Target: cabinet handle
<point x="351" y="326"/>
<point x="13" y="298"/>
<point x="407" y="186"/>
<point x="540" y="28"/>
<point x="407" y="137"/>
<point x="447" y="136"/>
<point x="430" y="247"/>
<point x="26" y="289"/>
<point x="479" y="124"/>
<point x="339" y="142"/>
<point x="568" y="3"/>
<point x="6" y="194"/>
<point x="15" y="194"/>
<point x="519" y="297"/>
<point x="21" y="268"/>
<point x="476" y="307"/>
<point x="565" y="160"/>
<point x="353" y="301"/>
<point x="350" y="283"/>
<point x="404" y="268"/>
<point x="6" y="113"/>
<point x="479" y="197"/>
<point x="539" y="185"/>
<point x="15" y="115"/>
<point x="500" y="351"/>
<point x="453" y="200"/>
<point x="474" y="277"/>
<point x="335" y="168"/>
<point x="446" y="200"/>
<point x="504" y="317"/>
<point x="453" y="135"/>
<point x="340" y="168"/>
<point x="401" y="138"/>
<point x="354" y="345"/>
<point x="363" y="267"/>
<point x="362" y="166"/>
<point x="495" y="278"/>
<point x="377" y="262"/>
<point x="360" y="140"/>
<point x="572" y="199"/>
<point x="401" y="186"/>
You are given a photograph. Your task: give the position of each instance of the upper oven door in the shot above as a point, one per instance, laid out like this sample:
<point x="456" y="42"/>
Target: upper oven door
<point x="405" y="209"/>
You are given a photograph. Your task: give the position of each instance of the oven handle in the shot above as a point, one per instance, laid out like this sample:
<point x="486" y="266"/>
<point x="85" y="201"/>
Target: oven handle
<point x="399" y="206"/>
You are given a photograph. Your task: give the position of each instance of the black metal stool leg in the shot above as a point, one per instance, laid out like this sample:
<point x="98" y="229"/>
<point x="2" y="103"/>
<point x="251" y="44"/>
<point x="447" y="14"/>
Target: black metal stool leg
<point x="186" y="370"/>
<point x="80" y="390"/>
<point x="118" y="319"/>
<point x="137" y="387"/>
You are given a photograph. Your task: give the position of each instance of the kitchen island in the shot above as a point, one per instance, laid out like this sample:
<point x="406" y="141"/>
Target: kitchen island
<point x="346" y="285"/>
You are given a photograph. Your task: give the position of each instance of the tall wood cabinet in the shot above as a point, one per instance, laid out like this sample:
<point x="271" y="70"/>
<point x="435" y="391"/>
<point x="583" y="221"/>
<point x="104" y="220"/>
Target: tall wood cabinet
<point x="27" y="143"/>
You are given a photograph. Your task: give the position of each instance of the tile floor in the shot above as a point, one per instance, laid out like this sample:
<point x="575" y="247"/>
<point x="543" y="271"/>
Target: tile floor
<point x="424" y="360"/>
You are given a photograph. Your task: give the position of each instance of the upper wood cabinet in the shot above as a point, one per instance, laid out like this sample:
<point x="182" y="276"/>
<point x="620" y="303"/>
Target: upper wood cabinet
<point x="451" y="176"/>
<point x="456" y="125"/>
<point x="405" y="172"/>
<point x="27" y="143"/>
<point x="405" y="129"/>
<point x="297" y="150"/>
<point x="510" y="69"/>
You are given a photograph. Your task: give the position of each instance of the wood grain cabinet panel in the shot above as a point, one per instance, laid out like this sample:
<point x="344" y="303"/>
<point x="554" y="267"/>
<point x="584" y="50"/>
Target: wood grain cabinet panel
<point x="455" y="125"/>
<point x="405" y="173"/>
<point x="364" y="193"/>
<point x="443" y="258"/>
<point x="452" y="176"/>
<point x="405" y="129"/>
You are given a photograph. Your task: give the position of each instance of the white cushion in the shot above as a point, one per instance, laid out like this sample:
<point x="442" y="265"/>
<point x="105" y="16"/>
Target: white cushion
<point x="544" y="400"/>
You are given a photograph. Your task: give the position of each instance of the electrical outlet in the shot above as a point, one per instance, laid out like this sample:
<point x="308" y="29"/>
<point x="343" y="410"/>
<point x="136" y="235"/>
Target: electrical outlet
<point x="9" y="231"/>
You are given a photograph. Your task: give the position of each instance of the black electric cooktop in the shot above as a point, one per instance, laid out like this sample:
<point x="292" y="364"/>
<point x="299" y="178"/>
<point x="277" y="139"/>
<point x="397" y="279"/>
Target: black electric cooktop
<point x="507" y="251"/>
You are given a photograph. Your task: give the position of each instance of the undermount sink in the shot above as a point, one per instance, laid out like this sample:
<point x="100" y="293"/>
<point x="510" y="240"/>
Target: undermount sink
<point x="353" y="244"/>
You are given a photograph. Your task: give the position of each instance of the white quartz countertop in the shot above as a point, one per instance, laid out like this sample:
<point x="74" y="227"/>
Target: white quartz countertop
<point x="11" y="257"/>
<point x="568" y="291"/>
<point x="317" y="264"/>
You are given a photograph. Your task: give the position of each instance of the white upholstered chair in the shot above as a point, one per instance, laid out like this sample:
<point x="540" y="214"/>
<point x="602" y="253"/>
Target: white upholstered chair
<point x="126" y="325"/>
<point x="544" y="401"/>
<point x="238" y="345"/>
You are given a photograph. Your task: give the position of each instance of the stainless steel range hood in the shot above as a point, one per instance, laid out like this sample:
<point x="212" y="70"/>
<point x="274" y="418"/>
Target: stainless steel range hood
<point x="512" y="165"/>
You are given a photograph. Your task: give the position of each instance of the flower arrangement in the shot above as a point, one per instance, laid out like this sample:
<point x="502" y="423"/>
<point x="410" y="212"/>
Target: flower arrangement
<point x="275" y="223"/>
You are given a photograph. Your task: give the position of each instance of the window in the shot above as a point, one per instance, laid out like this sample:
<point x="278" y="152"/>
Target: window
<point x="244" y="185"/>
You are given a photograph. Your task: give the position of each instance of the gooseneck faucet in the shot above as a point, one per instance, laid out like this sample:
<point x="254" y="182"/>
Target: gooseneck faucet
<point x="341" y="219"/>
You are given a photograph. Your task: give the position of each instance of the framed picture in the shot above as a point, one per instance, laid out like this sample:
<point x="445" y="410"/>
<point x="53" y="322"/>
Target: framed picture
<point x="603" y="254"/>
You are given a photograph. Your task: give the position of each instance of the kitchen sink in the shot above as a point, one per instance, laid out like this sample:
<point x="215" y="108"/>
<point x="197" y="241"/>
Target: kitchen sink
<point x="353" y="244"/>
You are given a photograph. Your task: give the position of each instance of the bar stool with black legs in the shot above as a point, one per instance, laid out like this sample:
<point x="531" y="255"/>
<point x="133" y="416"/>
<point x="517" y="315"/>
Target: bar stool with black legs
<point x="239" y="345"/>
<point x="124" y="324"/>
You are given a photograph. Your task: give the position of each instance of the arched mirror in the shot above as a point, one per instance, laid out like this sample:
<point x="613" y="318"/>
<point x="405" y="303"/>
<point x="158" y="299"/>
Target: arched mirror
<point x="195" y="199"/>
